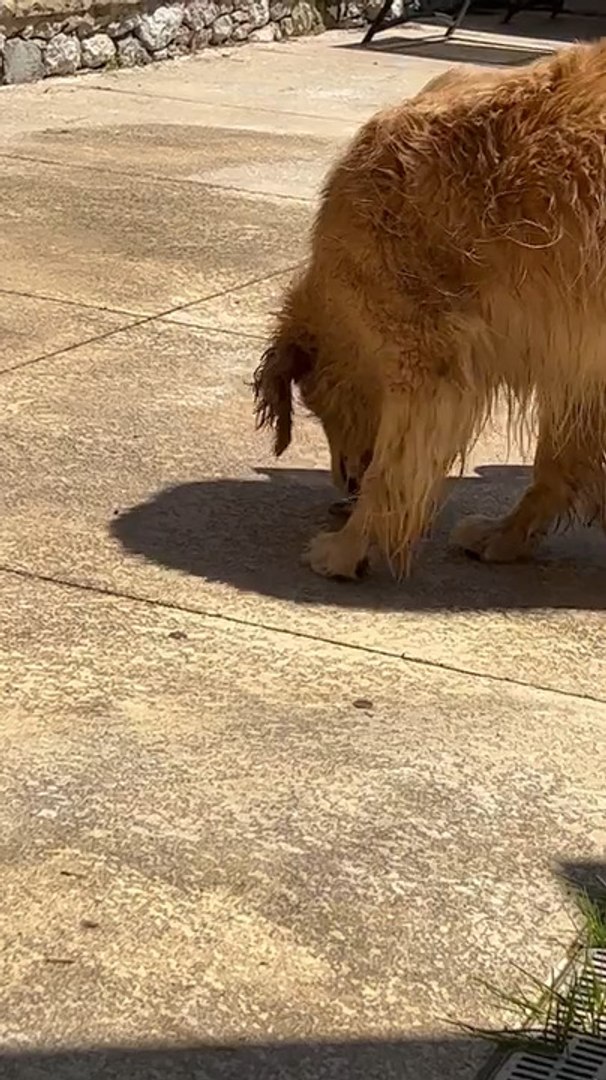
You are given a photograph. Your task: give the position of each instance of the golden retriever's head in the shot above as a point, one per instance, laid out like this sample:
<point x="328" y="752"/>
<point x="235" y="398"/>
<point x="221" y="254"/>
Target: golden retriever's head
<point x="345" y="412"/>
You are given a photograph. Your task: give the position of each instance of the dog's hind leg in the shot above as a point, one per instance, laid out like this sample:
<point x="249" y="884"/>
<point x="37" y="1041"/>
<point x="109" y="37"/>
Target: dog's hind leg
<point x="568" y="481"/>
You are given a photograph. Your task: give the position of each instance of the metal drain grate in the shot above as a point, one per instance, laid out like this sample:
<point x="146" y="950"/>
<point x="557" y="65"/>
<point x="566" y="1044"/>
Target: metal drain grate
<point x="584" y="1059"/>
<point x="585" y="1055"/>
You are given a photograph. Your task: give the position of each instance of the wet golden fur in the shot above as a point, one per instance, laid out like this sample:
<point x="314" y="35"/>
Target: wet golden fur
<point x="458" y="256"/>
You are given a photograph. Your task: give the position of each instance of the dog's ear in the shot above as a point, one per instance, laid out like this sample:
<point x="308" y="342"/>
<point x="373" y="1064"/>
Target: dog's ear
<point x="280" y="366"/>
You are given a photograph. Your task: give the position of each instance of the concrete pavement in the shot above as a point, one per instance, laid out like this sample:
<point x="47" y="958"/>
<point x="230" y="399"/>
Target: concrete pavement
<point x="241" y="805"/>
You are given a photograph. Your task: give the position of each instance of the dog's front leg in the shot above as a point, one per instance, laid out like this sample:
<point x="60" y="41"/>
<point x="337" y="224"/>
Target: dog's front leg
<point x="376" y="514"/>
<point x="343" y="554"/>
<point x="420" y="435"/>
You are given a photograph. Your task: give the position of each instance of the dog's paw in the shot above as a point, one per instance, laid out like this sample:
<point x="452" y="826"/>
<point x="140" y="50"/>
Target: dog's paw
<point x="488" y="540"/>
<point x="328" y="556"/>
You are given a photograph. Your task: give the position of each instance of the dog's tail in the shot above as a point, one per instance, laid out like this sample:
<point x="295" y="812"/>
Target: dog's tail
<point x="283" y="364"/>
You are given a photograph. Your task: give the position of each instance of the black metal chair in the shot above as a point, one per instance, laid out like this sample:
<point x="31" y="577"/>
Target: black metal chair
<point x="422" y="10"/>
<point x="414" y="11"/>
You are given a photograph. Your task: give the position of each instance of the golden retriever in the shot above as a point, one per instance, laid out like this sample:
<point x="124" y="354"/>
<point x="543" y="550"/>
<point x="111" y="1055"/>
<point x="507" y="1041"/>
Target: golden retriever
<point x="458" y="257"/>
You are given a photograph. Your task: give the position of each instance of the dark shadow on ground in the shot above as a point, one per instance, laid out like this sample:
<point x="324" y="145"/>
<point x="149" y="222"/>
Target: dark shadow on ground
<point x="454" y="1059"/>
<point x="587" y="877"/>
<point x="507" y="47"/>
<point x="250" y="534"/>
<point x="435" y="46"/>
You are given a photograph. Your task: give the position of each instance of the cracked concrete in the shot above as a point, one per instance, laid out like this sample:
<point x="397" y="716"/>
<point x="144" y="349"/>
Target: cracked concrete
<point x="254" y="824"/>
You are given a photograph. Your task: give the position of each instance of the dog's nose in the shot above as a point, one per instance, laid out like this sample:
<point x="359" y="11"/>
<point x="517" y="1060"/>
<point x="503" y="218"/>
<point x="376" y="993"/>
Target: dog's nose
<point x="352" y="485"/>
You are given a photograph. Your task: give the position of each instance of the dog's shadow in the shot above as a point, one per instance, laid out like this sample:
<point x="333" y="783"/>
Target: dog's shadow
<point x="250" y="534"/>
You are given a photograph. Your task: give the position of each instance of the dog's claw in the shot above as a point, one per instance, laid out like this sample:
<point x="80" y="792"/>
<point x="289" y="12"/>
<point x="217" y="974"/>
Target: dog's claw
<point x="360" y="573"/>
<point x="341" y="509"/>
<point x="471" y="554"/>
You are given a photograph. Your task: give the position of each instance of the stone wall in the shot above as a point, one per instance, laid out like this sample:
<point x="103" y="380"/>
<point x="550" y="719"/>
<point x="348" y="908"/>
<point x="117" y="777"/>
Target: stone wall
<point x="40" y="38"/>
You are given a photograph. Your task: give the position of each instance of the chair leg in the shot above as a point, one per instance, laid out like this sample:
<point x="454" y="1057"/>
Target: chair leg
<point x="512" y="9"/>
<point x="377" y="22"/>
<point x="462" y="12"/>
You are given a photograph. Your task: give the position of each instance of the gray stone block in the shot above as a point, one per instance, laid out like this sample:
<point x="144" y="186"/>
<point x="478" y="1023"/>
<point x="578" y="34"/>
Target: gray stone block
<point x="160" y="28"/>
<point x="132" y="53"/>
<point x="97" y="51"/>
<point x="62" y="55"/>
<point x="200" y="14"/>
<point x="222" y="29"/>
<point x="23" y="61"/>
